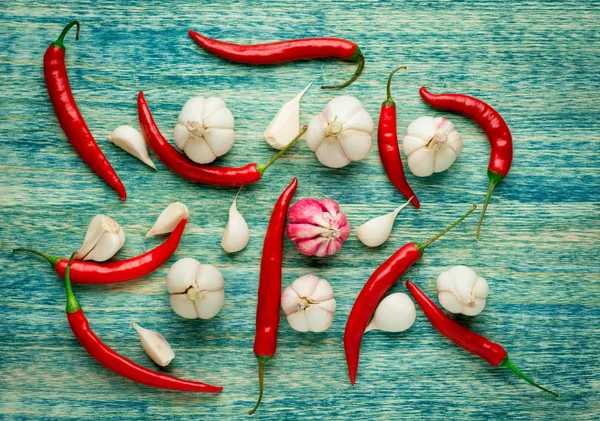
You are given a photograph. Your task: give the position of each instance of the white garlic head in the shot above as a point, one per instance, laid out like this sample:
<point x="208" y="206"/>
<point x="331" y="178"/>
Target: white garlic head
<point x="395" y="313"/>
<point x="308" y="304"/>
<point x="196" y="289"/>
<point x="462" y="291"/>
<point x="431" y="145"/>
<point x="341" y="133"/>
<point x="204" y="129"/>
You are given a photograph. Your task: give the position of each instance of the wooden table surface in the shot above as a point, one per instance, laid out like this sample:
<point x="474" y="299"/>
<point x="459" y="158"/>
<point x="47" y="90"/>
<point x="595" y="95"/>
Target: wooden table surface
<point x="536" y="62"/>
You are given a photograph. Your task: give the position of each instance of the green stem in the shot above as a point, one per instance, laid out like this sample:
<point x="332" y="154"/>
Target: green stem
<point x="357" y="56"/>
<point x="52" y="259"/>
<point x="72" y="303"/>
<point x="61" y="38"/>
<point x="508" y="363"/>
<point x="262" y="167"/>
<point x="261" y="374"/>
<point x="423" y="246"/>
<point x="389" y="101"/>
<point x="495" y="178"/>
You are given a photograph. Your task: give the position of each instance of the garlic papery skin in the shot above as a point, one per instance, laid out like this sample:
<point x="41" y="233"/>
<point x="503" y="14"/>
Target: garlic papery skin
<point x="157" y="347"/>
<point x="196" y="289"/>
<point x="237" y="233"/>
<point x="204" y="129"/>
<point x="375" y="232"/>
<point x="395" y="313"/>
<point x="286" y="124"/>
<point x="103" y="239"/>
<point x="169" y="218"/>
<point x="133" y="142"/>
<point x="462" y="291"/>
<point x="317" y="227"/>
<point x="341" y="133"/>
<point x="308" y="304"/>
<point x="431" y="145"/>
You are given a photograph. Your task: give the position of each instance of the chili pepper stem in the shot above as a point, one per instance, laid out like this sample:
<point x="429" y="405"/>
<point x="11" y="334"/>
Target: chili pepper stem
<point x="61" y="38"/>
<point x="261" y="375"/>
<point x="72" y="303"/>
<point x="52" y="259"/>
<point x="495" y="178"/>
<point x="389" y="101"/>
<point x="262" y="167"/>
<point x="423" y="246"/>
<point x="508" y="364"/>
<point x="357" y="56"/>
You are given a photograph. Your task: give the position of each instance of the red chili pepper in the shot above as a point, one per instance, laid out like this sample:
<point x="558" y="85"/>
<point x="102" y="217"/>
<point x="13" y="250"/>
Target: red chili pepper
<point x="493" y="125"/>
<point x="269" y="286"/>
<point x="284" y="51"/>
<point x="387" y="139"/>
<point x="476" y="344"/>
<point x="68" y="114"/>
<point x="384" y="277"/>
<point x="205" y="174"/>
<point x="121" y="271"/>
<point x="116" y="362"/>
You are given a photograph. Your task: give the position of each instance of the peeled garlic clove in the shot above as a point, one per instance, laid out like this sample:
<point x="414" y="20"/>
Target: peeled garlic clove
<point x="169" y="218"/>
<point x="308" y="304"/>
<point x="462" y="291"/>
<point x="375" y="232"/>
<point x="286" y="124"/>
<point x="103" y="239"/>
<point x="395" y="313"/>
<point x="131" y="141"/>
<point x="157" y="347"/>
<point x="237" y="233"/>
<point x="196" y="289"/>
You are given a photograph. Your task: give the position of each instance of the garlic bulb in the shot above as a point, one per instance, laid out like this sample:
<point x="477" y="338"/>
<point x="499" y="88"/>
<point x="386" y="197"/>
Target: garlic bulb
<point x="341" y="133"/>
<point x="131" y="141"/>
<point x="462" y="291"/>
<point x="286" y="124"/>
<point x="204" y="129"/>
<point x="317" y="227"/>
<point x="308" y="304"/>
<point x="431" y="145"/>
<point x="395" y="313"/>
<point x="155" y="346"/>
<point x="196" y="289"/>
<point x="375" y="232"/>
<point x="103" y="239"/>
<point x="237" y="234"/>
<point x="169" y="218"/>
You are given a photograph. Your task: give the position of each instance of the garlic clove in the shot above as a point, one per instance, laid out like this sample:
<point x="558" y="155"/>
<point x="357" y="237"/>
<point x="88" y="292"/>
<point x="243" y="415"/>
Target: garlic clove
<point x="286" y="124"/>
<point x="361" y="121"/>
<point x="328" y="305"/>
<point x="422" y="127"/>
<point x="455" y="142"/>
<point x="298" y="231"/>
<point x="313" y="246"/>
<point x="322" y="291"/>
<point x="331" y="153"/>
<point x="220" y="119"/>
<point x="133" y="142"/>
<point x="318" y="319"/>
<point x="182" y="275"/>
<point x="395" y="313"/>
<point x="103" y="239"/>
<point x="308" y="211"/>
<point x="169" y="219"/>
<point x="316" y="131"/>
<point x="421" y="162"/>
<point x="342" y="108"/>
<point x="375" y="232"/>
<point x="209" y="304"/>
<point x="192" y="110"/>
<point x="411" y="144"/>
<point x="198" y="150"/>
<point x="449" y="301"/>
<point x="155" y="346"/>
<point x="183" y="307"/>
<point x="211" y="105"/>
<point x="305" y="285"/>
<point x="289" y="300"/>
<point x="356" y="144"/>
<point x="444" y="158"/>
<point x="219" y="140"/>
<point x="237" y="233"/>
<point x="298" y="321"/>
<point x="209" y="278"/>
<point x="181" y="135"/>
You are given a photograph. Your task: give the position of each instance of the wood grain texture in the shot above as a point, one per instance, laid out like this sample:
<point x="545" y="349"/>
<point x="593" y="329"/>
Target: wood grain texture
<point x="536" y="62"/>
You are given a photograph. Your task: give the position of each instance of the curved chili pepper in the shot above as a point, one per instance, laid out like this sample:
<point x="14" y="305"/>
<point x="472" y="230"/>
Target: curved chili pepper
<point x="387" y="140"/>
<point x="284" y="51"/>
<point x="69" y="117"/>
<point x="186" y="168"/>
<point x="384" y="277"/>
<point x="476" y="344"/>
<point x="493" y="125"/>
<point x="120" y="271"/>
<point x="116" y="362"/>
<point x="269" y="286"/>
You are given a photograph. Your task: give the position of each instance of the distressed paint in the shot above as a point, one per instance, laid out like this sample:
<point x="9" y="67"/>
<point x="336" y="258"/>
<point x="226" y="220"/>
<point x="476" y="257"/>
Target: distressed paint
<point x="537" y="62"/>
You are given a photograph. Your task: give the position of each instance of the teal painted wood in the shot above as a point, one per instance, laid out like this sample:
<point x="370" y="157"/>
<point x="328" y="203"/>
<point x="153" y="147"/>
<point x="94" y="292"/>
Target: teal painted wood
<point x="537" y="62"/>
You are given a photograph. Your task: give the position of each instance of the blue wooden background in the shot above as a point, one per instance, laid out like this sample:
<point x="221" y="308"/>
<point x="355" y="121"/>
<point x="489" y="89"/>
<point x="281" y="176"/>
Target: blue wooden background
<point x="537" y="62"/>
